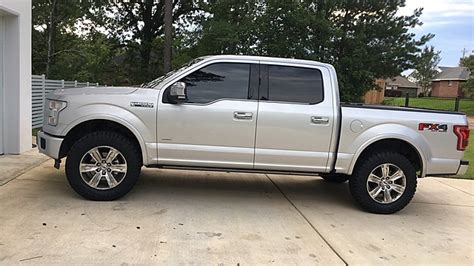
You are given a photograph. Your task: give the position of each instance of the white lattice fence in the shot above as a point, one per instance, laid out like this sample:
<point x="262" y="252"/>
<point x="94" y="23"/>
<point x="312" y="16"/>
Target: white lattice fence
<point x="40" y="87"/>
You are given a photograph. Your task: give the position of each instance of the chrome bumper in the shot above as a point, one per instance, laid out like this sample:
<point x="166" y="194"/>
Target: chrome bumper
<point x="463" y="168"/>
<point x="48" y="144"/>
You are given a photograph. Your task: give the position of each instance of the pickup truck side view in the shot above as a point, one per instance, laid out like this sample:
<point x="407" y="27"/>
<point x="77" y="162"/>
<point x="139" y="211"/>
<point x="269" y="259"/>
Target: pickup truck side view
<point x="249" y="114"/>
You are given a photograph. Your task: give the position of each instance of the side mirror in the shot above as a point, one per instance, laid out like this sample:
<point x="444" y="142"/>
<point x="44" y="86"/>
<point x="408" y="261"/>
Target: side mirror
<point x="178" y="93"/>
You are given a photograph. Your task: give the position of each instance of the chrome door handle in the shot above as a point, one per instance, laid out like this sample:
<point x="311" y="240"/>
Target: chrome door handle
<point x="243" y="115"/>
<point x="319" y="120"/>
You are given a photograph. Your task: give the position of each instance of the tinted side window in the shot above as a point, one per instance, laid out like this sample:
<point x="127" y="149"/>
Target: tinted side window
<point x="295" y="84"/>
<point x="218" y="81"/>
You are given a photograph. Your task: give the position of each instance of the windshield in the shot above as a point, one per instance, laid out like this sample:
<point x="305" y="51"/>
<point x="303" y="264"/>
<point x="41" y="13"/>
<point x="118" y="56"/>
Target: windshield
<point x="155" y="82"/>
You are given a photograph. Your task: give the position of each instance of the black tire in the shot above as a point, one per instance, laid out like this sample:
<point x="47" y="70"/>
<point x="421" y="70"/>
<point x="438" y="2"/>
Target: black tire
<point x="359" y="188"/>
<point x="334" y="178"/>
<point x="103" y="138"/>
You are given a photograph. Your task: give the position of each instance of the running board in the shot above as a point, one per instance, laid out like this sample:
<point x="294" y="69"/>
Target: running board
<point x="236" y="170"/>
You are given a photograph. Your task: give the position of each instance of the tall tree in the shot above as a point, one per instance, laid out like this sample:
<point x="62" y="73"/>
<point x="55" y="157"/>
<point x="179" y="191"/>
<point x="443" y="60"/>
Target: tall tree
<point x="51" y="34"/>
<point x="364" y="40"/>
<point x="139" y="26"/>
<point x="425" y="68"/>
<point x="168" y="17"/>
<point x="53" y="25"/>
<point x="225" y="27"/>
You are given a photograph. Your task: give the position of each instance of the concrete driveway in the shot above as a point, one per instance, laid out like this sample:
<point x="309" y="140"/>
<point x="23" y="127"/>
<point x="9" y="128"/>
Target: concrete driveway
<point x="227" y="218"/>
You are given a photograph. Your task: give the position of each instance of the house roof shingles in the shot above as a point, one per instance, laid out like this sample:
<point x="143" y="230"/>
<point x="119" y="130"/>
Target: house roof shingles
<point x="452" y="73"/>
<point x="400" y="82"/>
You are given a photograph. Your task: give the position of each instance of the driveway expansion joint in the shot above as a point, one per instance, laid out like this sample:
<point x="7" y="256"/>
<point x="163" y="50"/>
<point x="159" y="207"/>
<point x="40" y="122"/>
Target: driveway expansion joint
<point x="307" y="220"/>
<point x="454" y="187"/>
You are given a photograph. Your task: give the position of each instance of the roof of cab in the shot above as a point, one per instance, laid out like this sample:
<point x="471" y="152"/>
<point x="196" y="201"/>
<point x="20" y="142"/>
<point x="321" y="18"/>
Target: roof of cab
<point x="265" y="59"/>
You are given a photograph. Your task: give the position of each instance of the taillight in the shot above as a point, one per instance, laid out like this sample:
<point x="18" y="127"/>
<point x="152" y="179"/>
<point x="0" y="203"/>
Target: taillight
<point x="462" y="132"/>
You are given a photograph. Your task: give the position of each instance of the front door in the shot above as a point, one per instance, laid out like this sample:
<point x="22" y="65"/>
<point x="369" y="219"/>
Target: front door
<point x="216" y="126"/>
<point x="295" y="120"/>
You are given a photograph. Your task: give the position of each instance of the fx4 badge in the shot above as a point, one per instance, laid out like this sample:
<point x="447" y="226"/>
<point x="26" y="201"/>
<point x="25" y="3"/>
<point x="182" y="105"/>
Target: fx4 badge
<point x="433" y="127"/>
<point x="141" y="104"/>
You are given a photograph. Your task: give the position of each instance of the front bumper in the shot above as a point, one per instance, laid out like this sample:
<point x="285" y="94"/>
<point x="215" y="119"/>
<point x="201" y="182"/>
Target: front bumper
<point x="48" y="144"/>
<point x="463" y="168"/>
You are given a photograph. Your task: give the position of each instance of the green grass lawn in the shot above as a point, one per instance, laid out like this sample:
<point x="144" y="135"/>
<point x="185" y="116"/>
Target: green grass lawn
<point x="469" y="156"/>
<point x="466" y="105"/>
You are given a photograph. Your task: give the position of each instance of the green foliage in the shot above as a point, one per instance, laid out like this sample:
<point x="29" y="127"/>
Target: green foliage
<point x="469" y="156"/>
<point x="139" y="27"/>
<point x="468" y="86"/>
<point x="425" y="68"/>
<point x="364" y="40"/>
<point x="54" y="32"/>
<point x="122" y="42"/>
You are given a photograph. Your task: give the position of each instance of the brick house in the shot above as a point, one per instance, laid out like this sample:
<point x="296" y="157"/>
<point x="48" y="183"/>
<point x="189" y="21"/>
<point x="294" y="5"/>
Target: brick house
<point x="447" y="82"/>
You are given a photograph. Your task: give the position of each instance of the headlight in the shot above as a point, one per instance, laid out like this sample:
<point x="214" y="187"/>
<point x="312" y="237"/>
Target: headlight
<point x="54" y="108"/>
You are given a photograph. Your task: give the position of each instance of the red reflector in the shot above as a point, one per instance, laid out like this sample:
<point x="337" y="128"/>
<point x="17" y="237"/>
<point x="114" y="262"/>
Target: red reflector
<point x="462" y="132"/>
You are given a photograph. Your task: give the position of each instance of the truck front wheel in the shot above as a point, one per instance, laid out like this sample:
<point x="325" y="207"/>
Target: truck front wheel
<point x="103" y="166"/>
<point x="384" y="182"/>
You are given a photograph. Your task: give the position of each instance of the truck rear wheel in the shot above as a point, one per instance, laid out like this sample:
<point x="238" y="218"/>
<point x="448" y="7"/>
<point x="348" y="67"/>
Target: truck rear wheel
<point x="103" y="166"/>
<point x="383" y="183"/>
<point x="334" y="178"/>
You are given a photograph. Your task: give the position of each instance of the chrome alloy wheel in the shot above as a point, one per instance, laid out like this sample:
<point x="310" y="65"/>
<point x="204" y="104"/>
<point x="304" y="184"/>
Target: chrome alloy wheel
<point x="103" y="167"/>
<point x="386" y="183"/>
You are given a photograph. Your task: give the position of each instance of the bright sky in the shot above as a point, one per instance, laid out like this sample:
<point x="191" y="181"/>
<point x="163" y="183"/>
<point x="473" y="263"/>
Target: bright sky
<point x="452" y="21"/>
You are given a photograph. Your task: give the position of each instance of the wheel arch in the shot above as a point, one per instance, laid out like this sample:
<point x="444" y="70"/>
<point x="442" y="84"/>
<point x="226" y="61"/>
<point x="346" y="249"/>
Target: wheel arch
<point x="86" y="126"/>
<point x="400" y="145"/>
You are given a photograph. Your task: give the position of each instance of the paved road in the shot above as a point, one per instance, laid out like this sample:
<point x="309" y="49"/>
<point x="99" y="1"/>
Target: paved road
<point x="211" y="218"/>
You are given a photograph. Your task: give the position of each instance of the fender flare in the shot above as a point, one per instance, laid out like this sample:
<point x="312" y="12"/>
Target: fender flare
<point x="423" y="153"/>
<point x="113" y="118"/>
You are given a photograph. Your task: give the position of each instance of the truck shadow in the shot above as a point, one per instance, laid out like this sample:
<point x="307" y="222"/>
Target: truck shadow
<point x="229" y="186"/>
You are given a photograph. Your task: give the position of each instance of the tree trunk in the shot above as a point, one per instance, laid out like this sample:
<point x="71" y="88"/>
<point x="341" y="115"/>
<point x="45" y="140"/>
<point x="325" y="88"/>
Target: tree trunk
<point x="147" y="36"/>
<point x="168" y="21"/>
<point x="51" y="36"/>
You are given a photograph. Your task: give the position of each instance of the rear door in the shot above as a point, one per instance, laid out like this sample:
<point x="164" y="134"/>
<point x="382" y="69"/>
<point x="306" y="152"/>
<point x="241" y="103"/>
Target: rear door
<point x="295" y="119"/>
<point x="216" y="126"/>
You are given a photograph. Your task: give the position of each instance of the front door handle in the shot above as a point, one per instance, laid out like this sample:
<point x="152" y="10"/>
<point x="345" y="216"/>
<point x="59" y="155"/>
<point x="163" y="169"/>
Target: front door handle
<point x="243" y="115"/>
<point x="319" y="120"/>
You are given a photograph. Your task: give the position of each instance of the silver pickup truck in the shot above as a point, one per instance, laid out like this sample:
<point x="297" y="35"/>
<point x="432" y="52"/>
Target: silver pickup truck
<point x="249" y="114"/>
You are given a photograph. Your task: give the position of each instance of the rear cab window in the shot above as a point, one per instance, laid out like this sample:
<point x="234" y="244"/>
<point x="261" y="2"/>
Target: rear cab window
<point x="291" y="84"/>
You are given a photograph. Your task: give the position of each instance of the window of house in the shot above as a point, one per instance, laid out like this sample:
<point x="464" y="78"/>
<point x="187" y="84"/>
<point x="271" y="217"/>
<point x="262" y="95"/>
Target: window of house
<point x="295" y="84"/>
<point x="218" y="81"/>
<point x="450" y="83"/>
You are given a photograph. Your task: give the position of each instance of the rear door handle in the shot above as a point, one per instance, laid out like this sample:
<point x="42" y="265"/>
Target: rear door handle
<point x="243" y="115"/>
<point x="319" y="120"/>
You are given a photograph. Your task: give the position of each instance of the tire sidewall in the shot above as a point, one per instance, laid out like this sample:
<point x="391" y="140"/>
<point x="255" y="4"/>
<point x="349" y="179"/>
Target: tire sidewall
<point x="358" y="183"/>
<point x="84" y="145"/>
